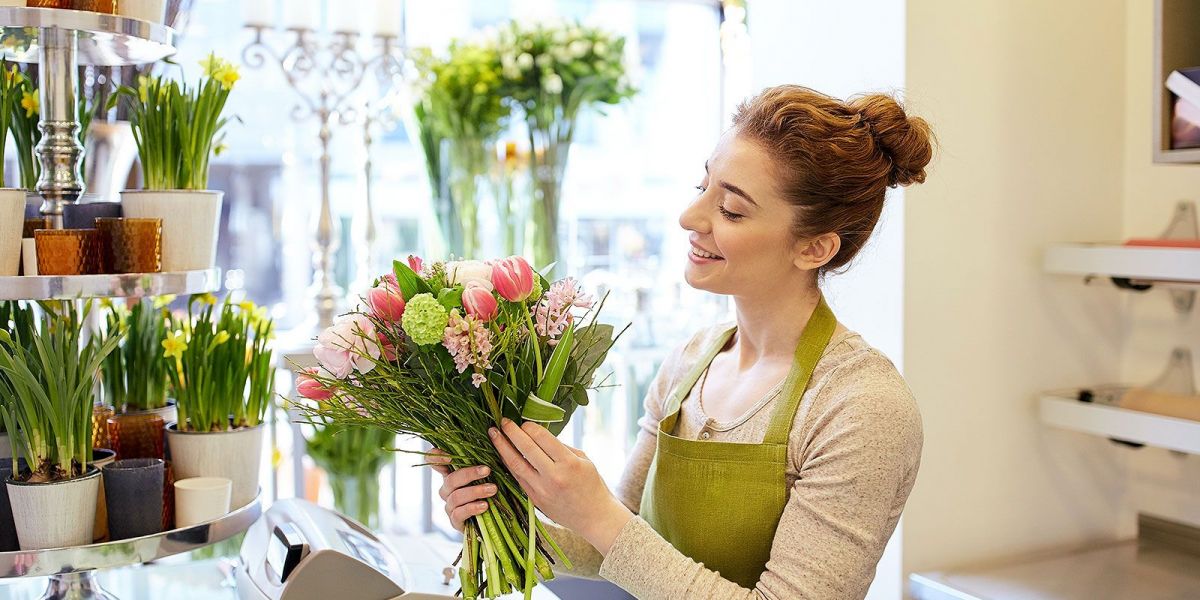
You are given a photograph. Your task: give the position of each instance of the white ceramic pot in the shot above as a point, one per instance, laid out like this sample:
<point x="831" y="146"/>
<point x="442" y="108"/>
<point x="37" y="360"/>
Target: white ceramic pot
<point x="21" y="3"/>
<point x="154" y="11"/>
<point x="29" y="256"/>
<point x="55" y="515"/>
<point x="190" y="221"/>
<point x="12" y="221"/>
<point x="201" y="499"/>
<point x="235" y="455"/>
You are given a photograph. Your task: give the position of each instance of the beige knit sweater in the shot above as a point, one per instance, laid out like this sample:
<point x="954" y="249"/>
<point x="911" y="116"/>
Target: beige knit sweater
<point x="853" y="454"/>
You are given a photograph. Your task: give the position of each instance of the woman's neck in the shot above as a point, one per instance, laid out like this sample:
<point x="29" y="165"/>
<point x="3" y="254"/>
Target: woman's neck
<point x="769" y="325"/>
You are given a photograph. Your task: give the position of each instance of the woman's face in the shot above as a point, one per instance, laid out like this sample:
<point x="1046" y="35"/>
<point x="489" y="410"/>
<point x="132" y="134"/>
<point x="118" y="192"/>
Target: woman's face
<point x="741" y="229"/>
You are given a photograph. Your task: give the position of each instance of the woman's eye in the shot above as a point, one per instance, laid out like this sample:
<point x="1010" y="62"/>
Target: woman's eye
<point x="732" y="216"/>
<point x="701" y="188"/>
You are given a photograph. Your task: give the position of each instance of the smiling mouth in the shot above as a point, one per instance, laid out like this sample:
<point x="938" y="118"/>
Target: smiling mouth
<point x="702" y="254"/>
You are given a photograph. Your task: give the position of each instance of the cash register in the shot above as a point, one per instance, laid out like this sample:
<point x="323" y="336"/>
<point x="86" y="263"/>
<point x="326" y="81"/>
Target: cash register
<point x="300" y="551"/>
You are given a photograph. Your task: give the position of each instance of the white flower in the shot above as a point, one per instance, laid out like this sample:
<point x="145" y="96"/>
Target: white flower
<point x="553" y="84"/>
<point x="579" y="48"/>
<point x="561" y="54"/>
<point x="525" y="61"/>
<point x="350" y="344"/>
<point x="513" y="73"/>
<point x="600" y="48"/>
<point x="544" y="60"/>
<point x="470" y="272"/>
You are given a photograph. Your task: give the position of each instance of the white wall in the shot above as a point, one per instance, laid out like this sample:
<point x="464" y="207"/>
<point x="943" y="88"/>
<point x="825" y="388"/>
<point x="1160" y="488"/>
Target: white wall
<point x="844" y="48"/>
<point x="1027" y="98"/>
<point x="1160" y="482"/>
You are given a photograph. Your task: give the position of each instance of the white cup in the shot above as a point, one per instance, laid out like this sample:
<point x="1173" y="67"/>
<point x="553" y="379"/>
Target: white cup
<point x="201" y="499"/>
<point x="29" y="256"/>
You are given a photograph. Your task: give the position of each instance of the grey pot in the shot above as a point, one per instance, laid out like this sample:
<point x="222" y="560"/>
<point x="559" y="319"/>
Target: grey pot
<point x="8" y="529"/>
<point x="83" y="215"/>
<point x="133" y="491"/>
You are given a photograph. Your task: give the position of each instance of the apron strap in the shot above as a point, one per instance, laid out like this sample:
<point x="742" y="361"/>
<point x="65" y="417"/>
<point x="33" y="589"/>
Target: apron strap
<point x="685" y="385"/>
<point x="817" y="333"/>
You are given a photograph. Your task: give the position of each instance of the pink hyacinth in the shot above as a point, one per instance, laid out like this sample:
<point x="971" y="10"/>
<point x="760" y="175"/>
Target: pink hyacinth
<point x="513" y="278"/>
<point x="553" y="313"/>
<point x="469" y="342"/>
<point x="480" y="303"/>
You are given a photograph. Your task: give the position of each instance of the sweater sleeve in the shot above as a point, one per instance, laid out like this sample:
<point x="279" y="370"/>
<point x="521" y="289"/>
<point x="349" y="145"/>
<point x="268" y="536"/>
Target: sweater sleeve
<point x="859" y="456"/>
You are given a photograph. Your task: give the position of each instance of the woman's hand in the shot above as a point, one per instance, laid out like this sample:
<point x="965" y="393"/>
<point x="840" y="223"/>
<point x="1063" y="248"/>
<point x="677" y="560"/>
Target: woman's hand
<point x="562" y="482"/>
<point x="463" y="499"/>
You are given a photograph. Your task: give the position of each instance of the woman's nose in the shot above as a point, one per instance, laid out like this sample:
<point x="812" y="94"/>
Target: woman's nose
<point x="693" y="219"/>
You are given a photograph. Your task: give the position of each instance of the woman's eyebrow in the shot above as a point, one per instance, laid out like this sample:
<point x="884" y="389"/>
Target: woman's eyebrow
<point x="733" y="188"/>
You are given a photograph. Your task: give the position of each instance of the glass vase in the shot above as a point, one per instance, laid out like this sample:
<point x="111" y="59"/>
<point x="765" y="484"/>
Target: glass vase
<point x="357" y="496"/>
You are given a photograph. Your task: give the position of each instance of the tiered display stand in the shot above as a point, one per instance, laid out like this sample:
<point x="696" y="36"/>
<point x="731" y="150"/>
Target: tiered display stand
<point x="59" y="41"/>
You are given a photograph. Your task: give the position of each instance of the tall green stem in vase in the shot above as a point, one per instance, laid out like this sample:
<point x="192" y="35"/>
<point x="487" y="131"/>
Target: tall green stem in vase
<point x="470" y="162"/>
<point x="551" y="128"/>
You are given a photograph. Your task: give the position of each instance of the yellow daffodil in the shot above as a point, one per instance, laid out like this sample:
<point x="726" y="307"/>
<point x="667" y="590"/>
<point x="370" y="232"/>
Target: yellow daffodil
<point x="247" y="306"/>
<point x="143" y="88"/>
<point x="12" y="74"/>
<point x="30" y="102"/>
<point x="163" y="301"/>
<point x="211" y="64"/>
<point x="259" y="314"/>
<point x="207" y="298"/>
<point x="222" y="337"/>
<point x="219" y="149"/>
<point x="174" y="345"/>
<point x="227" y="77"/>
<point x="276" y="457"/>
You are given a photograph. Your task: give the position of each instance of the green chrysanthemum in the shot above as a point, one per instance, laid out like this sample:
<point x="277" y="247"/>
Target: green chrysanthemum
<point x="424" y="319"/>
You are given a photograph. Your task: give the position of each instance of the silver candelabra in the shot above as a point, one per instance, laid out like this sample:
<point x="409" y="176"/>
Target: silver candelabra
<point x="326" y="75"/>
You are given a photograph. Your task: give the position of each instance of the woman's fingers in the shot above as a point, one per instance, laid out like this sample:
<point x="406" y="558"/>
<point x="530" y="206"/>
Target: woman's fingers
<point x="469" y="494"/>
<point x="516" y="463"/>
<point x="439" y="461"/>
<point x="528" y="448"/>
<point x="459" y="515"/>
<point x="556" y="450"/>
<point x="461" y="478"/>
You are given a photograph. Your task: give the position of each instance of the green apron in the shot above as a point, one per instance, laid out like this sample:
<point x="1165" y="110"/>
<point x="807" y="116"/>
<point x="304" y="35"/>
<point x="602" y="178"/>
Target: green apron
<point x="719" y="503"/>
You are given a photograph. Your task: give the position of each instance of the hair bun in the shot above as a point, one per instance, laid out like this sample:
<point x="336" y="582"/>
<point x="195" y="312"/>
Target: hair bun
<point x="906" y="141"/>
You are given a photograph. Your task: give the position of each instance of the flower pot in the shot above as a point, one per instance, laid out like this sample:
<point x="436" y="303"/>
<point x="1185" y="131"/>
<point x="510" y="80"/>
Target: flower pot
<point x="107" y="7"/>
<point x="201" y="499"/>
<point x="137" y="434"/>
<point x="33" y="224"/>
<point x="29" y="257"/>
<point x="168" y="497"/>
<point x="57" y="514"/>
<point x="12" y="222"/>
<point x="8" y="528"/>
<point x="128" y="485"/>
<point x="190" y="221"/>
<point x="234" y="455"/>
<point x="154" y="11"/>
<point x="67" y="251"/>
<point x="19" y="3"/>
<point x="100" y="415"/>
<point x="357" y="496"/>
<point x="130" y="245"/>
<point x="83" y="215"/>
<point x="101" y="457"/>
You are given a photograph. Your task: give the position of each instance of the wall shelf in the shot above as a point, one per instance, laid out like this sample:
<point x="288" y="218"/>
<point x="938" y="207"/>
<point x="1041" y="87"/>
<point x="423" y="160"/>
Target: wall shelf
<point x="1182" y="435"/>
<point x="1138" y="263"/>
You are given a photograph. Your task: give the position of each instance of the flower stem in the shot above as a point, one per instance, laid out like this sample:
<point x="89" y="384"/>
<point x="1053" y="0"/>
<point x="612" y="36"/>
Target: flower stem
<point x="531" y="551"/>
<point x="537" y="353"/>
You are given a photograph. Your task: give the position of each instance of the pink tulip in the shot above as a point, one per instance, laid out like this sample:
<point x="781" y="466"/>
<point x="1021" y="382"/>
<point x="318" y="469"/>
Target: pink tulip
<point x="416" y="264"/>
<point x="513" y="278"/>
<point x="386" y="302"/>
<point x="387" y="348"/>
<point x="480" y="303"/>
<point x="312" y="389"/>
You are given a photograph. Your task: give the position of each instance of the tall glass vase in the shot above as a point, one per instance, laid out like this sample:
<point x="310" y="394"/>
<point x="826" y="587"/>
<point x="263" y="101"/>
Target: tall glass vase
<point x="467" y="171"/>
<point x="551" y="129"/>
<point x="357" y="496"/>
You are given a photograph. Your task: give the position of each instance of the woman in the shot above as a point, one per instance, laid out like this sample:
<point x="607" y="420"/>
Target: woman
<point x="776" y="454"/>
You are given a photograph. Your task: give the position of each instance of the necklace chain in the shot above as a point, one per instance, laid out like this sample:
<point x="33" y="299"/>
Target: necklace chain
<point x="771" y="393"/>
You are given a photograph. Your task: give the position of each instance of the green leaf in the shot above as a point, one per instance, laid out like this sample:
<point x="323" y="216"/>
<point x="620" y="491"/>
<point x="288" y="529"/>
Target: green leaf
<point x="540" y="411"/>
<point x="548" y="386"/>
<point x="410" y="283"/>
<point x="451" y="298"/>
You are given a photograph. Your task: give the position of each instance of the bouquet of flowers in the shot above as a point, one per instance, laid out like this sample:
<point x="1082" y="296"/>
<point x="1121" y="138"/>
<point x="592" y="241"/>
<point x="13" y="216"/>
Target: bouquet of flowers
<point x="444" y="352"/>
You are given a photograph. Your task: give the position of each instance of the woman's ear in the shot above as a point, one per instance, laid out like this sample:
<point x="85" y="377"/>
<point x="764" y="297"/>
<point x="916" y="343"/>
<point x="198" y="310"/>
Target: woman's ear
<point x="814" y="253"/>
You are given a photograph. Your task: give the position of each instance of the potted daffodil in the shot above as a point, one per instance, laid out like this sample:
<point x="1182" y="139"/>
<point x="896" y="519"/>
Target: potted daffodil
<point x="177" y="128"/>
<point x="219" y="364"/>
